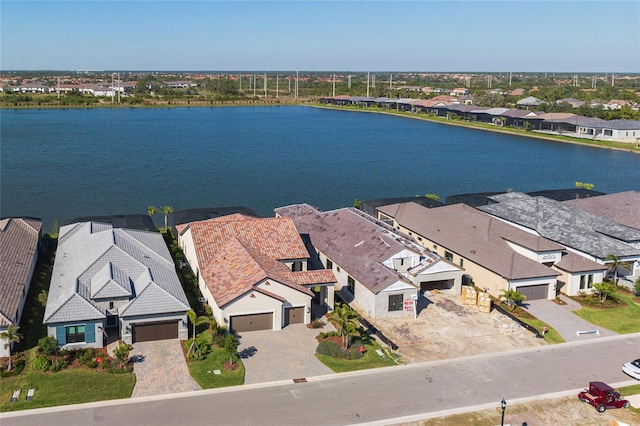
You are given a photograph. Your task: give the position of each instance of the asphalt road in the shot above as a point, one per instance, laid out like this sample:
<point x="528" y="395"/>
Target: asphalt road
<point x="369" y="396"/>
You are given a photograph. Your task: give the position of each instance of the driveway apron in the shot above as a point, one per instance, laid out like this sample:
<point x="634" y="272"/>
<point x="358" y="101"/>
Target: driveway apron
<point x="281" y="354"/>
<point x="564" y="321"/>
<point x="160" y="369"/>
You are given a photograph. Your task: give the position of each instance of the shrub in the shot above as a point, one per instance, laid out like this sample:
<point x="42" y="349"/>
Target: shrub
<point x="17" y="369"/>
<point x="317" y="323"/>
<point x="324" y="334"/>
<point x="636" y="287"/>
<point x="41" y="363"/>
<point x="87" y="357"/>
<point x="58" y="365"/>
<point x="48" y="345"/>
<point x="332" y="349"/>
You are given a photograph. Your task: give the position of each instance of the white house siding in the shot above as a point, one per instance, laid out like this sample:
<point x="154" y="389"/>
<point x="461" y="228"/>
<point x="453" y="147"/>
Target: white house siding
<point x="127" y="323"/>
<point x="3" y="351"/>
<point x="382" y="300"/>
<point x="254" y="303"/>
<point x="96" y="326"/>
<point x="411" y="259"/>
<point x="572" y="281"/>
<point x="293" y="297"/>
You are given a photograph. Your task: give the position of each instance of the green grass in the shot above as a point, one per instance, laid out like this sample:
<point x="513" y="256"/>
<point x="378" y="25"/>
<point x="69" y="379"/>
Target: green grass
<point x="624" y="319"/>
<point x="71" y="386"/>
<point x="370" y="360"/>
<point x="202" y="371"/>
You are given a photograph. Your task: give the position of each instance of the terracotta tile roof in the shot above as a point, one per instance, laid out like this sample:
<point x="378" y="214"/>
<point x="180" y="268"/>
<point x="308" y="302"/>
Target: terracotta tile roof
<point x="621" y="207"/>
<point x="19" y="239"/>
<point x="276" y="238"/>
<point x="237" y="269"/>
<point x="475" y="236"/>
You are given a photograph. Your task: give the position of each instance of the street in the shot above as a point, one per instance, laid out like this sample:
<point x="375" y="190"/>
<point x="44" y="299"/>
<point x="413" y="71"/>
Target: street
<point x="367" y="396"/>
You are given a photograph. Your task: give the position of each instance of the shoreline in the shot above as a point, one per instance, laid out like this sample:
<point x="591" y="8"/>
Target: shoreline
<point x="310" y="103"/>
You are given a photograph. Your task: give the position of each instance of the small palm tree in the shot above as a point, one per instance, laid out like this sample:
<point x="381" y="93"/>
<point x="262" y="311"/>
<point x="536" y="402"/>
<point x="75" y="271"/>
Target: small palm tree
<point x="152" y="210"/>
<point x="512" y="298"/>
<point x="345" y="321"/>
<point x="11" y="336"/>
<point x="195" y="320"/>
<point x="166" y="210"/>
<point x="613" y="263"/>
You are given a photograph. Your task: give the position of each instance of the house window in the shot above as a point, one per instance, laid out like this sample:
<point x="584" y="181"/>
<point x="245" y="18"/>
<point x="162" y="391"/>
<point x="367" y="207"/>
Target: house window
<point x="329" y="264"/>
<point x="296" y="266"/>
<point x="461" y="262"/>
<point x="395" y="302"/>
<point x="110" y="305"/>
<point x="419" y="238"/>
<point x="435" y="247"/>
<point x="337" y="269"/>
<point x="590" y="281"/>
<point x="448" y="256"/>
<point x="75" y="333"/>
<point x="582" y="282"/>
<point x="351" y="284"/>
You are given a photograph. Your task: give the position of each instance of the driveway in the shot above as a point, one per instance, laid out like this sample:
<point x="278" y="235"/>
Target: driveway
<point x="285" y="354"/>
<point x="561" y="318"/>
<point x="160" y="369"/>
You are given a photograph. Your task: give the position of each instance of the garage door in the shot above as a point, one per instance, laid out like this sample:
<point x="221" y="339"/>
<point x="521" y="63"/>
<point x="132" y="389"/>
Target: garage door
<point x="534" y="292"/>
<point x="253" y="322"/>
<point x="155" y="331"/>
<point x="294" y="316"/>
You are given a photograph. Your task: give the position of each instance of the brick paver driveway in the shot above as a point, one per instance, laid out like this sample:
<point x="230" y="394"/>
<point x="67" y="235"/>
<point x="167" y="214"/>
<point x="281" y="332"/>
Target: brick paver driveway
<point x="281" y="355"/>
<point x="160" y="369"/>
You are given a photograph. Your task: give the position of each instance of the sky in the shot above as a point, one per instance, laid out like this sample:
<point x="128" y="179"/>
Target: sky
<point x="438" y="36"/>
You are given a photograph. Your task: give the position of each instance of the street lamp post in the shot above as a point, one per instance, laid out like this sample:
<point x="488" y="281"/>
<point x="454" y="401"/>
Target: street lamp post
<point x="503" y="405"/>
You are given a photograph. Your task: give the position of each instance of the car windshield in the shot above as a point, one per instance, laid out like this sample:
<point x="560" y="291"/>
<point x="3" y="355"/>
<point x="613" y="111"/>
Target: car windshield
<point x="636" y="363"/>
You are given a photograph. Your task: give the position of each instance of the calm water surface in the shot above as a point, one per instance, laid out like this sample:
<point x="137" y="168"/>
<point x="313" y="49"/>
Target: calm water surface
<point x="58" y="164"/>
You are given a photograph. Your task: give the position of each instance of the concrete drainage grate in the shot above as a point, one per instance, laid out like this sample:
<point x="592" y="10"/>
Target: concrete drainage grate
<point x="302" y="380"/>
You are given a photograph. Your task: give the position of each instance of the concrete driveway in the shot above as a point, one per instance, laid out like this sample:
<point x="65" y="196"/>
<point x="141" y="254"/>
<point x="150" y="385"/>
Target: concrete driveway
<point x="160" y="369"/>
<point x="561" y="318"/>
<point x="285" y="354"/>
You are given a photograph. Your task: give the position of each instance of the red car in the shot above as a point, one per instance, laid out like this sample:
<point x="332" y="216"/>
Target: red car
<point x="602" y="396"/>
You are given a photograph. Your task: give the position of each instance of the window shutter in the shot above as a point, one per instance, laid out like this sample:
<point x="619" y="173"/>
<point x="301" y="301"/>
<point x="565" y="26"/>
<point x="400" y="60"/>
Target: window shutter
<point x="61" y="335"/>
<point x="90" y="333"/>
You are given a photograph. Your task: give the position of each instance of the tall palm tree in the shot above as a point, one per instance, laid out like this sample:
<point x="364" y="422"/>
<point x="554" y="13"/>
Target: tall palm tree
<point x="344" y="320"/>
<point x="11" y="336"/>
<point x="166" y="210"/>
<point x="195" y="320"/>
<point x="613" y="263"/>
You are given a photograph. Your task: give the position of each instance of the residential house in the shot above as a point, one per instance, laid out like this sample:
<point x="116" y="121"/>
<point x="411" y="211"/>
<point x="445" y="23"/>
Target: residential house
<point x="496" y="256"/>
<point x="254" y="272"/>
<point x="110" y="283"/>
<point x="622" y="208"/>
<point x="529" y="102"/>
<point x="581" y="232"/>
<point x="379" y="272"/>
<point x="459" y="91"/>
<point x="575" y="103"/>
<point x="614" y="130"/>
<point x="20" y="239"/>
<point x="371" y="206"/>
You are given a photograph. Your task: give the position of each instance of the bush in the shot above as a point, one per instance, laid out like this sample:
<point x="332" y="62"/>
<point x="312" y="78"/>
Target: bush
<point x="332" y="349"/>
<point x="48" y="345"/>
<point x="41" y="363"/>
<point x="87" y="357"/>
<point x="324" y="334"/>
<point x="317" y="323"/>
<point x="636" y="287"/>
<point x="58" y="365"/>
<point x="17" y="369"/>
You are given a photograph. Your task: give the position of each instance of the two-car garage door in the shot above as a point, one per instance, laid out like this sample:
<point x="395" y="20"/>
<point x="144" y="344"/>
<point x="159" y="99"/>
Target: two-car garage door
<point x="155" y="331"/>
<point x="254" y="322"/>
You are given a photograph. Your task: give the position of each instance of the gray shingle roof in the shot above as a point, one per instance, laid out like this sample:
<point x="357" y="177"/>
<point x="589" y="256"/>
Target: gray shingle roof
<point x="19" y="239"/>
<point x="95" y="261"/>
<point x="565" y="224"/>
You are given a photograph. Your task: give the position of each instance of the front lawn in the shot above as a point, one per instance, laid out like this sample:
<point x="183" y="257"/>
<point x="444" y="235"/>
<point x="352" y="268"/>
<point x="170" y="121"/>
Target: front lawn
<point x="623" y="319"/>
<point x="203" y="371"/>
<point x="69" y="386"/>
<point x="371" y="359"/>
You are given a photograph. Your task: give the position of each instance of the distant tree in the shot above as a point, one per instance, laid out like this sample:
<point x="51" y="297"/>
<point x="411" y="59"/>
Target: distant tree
<point x="357" y="204"/>
<point x="10" y="337"/>
<point x="512" y="298"/>
<point x="613" y="263"/>
<point x="432" y="196"/>
<point x="166" y="210"/>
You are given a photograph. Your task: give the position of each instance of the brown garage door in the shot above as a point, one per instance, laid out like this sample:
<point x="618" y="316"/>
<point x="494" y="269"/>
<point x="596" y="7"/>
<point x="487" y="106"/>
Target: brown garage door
<point x="534" y="292"/>
<point x="253" y="322"/>
<point x="155" y="331"/>
<point x="294" y="315"/>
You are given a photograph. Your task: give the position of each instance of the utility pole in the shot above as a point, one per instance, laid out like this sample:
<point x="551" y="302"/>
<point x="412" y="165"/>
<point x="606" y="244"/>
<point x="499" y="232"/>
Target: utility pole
<point x="112" y="87"/>
<point x="349" y="81"/>
<point x="265" y="85"/>
<point x="289" y="78"/>
<point x="373" y="81"/>
<point x="334" y="85"/>
<point x="59" y="88"/>
<point x="241" y="82"/>
<point x="254" y="85"/>
<point x="509" y="78"/>
<point x="613" y="79"/>
<point x="390" y="80"/>
<point x="277" y="83"/>
<point x="367" y="84"/>
<point x="118" y="87"/>
<point x="297" y="77"/>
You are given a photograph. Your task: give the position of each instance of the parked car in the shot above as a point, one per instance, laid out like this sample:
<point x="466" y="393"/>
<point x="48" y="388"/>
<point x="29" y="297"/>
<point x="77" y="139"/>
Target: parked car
<point x="602" y="396"/>
<point x="632" y="368"/>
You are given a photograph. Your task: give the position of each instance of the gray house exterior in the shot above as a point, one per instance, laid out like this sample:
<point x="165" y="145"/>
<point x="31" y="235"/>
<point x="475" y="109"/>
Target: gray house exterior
<point x="113" y="283"/>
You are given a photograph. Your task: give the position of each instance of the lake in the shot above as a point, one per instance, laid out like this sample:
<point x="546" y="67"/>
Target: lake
<point x="57" y="164"/>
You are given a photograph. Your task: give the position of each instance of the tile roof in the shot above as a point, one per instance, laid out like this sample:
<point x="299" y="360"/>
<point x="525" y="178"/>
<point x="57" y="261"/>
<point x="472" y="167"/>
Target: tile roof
<point x="94" y="260"/>
<point x="565" y="224"/>
<point x="276" y="238"/>
<point x="19" y="239"/>
<point x="357" y="242"/>
<point x="621" y="207"/>
<point x="475" y="236"/>
<point x="572" y="262"/>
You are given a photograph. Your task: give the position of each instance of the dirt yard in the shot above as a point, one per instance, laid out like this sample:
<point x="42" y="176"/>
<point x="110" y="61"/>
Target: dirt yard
<point x="446" y="327"/>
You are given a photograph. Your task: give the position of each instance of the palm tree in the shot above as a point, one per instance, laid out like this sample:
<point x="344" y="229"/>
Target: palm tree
<point x="166" y="210"/>
<point x="344" y="319"/>
<point x="11" y="336"/>
<point x="152" y="210"/>
<point x="613" y="263"/>
<point x="512" y="298"/>
<point x="195" y="320"/>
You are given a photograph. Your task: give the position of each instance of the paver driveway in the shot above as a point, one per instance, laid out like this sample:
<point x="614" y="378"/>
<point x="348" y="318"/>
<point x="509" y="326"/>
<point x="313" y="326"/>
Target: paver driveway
<point x="160" y="369"/>
<point x="281" y="355"/>
<point x="564" y="320"/>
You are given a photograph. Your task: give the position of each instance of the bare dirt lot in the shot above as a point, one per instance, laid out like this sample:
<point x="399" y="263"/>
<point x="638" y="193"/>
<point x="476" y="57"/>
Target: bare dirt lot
<point x="446" y="327"/>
